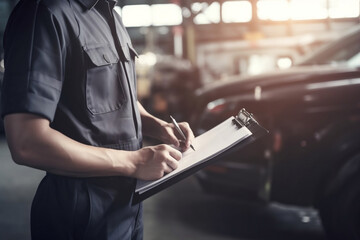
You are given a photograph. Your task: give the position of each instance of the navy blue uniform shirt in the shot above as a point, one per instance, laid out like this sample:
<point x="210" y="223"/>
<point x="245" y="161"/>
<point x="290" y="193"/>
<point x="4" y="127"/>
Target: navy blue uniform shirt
<point x="72" y="62"/>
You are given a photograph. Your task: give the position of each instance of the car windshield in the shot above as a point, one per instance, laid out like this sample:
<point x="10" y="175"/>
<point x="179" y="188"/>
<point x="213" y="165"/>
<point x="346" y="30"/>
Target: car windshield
<point x="345" y="50"/>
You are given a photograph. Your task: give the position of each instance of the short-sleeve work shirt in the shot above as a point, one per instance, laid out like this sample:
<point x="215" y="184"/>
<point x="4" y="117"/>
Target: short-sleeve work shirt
<point x="72" y="62"/>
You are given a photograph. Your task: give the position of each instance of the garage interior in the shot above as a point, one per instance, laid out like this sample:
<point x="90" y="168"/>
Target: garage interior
<point x="187" y="48"/>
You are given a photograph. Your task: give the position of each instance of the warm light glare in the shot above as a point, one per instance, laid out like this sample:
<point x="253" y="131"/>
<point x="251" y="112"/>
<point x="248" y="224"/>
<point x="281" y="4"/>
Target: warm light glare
<point x="215" y="105"/>
<point x="209" y="14"/>
<point x="136" y="15"/>
<point x="197" y="7"/>
<point x="236" y="11"/>
<point x="166" y="14"/>
<point x="284" y="62"/>
<point x="308" y="9"/>
<point x="280" y="10"/>
<point x="354" y="61"/>
<point x="344" y="8"/>
<point x="148" y="59"/>
<point x="276" y="10"/>
<point x="259" y="64"/>
<point x="331" y="84"/>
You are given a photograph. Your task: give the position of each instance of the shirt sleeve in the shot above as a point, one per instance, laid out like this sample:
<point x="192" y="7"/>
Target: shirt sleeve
<point x="34" y="61"/>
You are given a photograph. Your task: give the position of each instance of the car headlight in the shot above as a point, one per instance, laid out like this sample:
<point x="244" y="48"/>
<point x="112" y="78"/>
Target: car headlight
<point x="217" y="106"/>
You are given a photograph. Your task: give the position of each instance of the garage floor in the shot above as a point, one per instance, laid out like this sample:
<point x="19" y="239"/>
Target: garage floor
<point x="180" y="212"/>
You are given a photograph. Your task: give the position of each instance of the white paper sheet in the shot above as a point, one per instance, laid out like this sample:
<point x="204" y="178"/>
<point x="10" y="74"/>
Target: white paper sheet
<point x="207" y="146"/>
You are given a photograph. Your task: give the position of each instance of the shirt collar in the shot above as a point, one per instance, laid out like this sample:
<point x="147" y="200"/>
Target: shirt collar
<point x="89" y="4"/>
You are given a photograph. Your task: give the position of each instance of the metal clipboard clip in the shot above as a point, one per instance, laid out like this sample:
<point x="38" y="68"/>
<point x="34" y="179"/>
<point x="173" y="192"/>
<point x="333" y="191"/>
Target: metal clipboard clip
<point x="244" y="118"/>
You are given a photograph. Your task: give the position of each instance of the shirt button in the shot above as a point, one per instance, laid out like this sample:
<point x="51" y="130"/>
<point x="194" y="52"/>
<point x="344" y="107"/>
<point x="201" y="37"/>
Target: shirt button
<point x="106" y="58"/>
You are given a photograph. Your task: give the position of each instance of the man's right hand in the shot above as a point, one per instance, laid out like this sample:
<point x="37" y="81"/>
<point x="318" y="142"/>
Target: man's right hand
<point x="155" y="161"/>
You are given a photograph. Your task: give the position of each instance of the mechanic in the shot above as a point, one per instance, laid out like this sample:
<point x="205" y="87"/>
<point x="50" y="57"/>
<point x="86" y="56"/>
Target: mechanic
<point x="70" y="108"/>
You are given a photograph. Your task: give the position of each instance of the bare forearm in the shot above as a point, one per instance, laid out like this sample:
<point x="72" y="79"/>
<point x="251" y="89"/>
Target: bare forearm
<point x="72" y="158"/>
<point x="42" y="147"/>
<point x="34" y="143"/>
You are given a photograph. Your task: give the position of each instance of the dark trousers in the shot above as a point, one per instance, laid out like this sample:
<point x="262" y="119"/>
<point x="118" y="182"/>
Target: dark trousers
<point x="86" y="208"/>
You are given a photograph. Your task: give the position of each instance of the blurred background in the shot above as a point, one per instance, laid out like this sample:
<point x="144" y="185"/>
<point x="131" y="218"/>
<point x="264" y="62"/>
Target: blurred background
<point x="295" y="64"/>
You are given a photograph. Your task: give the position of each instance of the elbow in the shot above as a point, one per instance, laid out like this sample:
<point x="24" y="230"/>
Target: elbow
<point x="19" y="130"/>
<point x="19" y="160"/>
<point x="24" y="134"/>
<point x="20" y="155"/>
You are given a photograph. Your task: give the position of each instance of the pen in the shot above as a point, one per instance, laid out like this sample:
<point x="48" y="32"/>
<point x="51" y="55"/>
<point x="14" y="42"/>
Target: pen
<point x="180" y="131"/>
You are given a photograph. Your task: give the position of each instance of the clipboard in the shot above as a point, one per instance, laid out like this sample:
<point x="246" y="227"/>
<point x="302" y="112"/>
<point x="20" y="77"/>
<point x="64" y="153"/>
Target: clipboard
<point x="241" y="130"/>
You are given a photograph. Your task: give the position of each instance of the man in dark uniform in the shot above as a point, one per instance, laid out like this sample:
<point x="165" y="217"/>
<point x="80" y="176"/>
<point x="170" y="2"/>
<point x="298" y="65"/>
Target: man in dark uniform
<point x="70" y="108"/>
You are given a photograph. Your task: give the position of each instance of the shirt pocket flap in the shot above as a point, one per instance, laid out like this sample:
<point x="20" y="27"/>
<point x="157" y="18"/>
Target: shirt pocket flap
<point x="132" y="51"/>
<point x="101" y="55"/>
<point x="129" y="52"/>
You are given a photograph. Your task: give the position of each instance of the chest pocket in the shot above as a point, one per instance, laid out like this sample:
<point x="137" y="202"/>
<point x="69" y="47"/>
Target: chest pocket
<point x="129" y="52"/>
<point x="104" y="87"/>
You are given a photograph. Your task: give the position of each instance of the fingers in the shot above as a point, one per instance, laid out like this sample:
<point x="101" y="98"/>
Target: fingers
<point x="171" y="137"/>
<point x="188" y="133"/>
<point x="167" y="168"/>
<point x="173" y="164"/>
<point x="175" y="154"/>
<point x="153" y="162"/>
<point x="170" y="159"/>
<point x="173" y="158"/>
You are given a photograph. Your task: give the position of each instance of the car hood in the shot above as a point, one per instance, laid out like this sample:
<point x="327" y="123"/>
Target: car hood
<point x="294" y="75"/>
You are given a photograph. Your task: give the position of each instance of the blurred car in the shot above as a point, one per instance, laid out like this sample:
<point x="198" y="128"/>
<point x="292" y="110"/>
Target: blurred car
<point x="312" y="155"/>
<point x="173" y="82"/>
